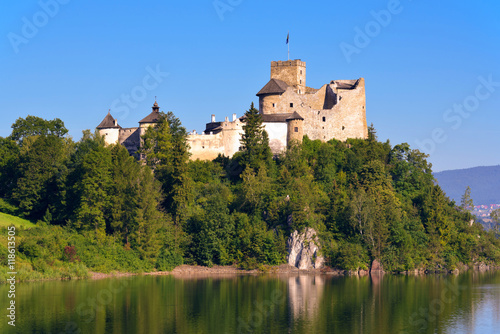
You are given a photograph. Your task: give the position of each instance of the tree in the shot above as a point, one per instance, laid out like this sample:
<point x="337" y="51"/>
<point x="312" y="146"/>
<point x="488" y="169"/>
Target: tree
<point x="166" y="150"/>
<point x="36" y="126"/>
<point x="466" y="202"/>
<point x="254" y="140"/>
<point x="40" y="167"/>
<point x="495" y="217"/>
<point x="124" y="192"/>
<point x="9" y="157"/>
<point x="94" y="187"/>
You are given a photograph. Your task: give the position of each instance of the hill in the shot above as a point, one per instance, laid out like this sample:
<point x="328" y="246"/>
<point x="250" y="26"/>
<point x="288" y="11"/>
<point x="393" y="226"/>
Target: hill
<point x="484" y="183"/>
<point x="7" y="220"/>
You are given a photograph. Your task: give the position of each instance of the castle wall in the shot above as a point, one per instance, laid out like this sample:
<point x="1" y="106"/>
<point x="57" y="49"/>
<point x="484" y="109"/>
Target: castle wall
<point x="277" y="133"/>
<point x="110" y="135"/>
<point x="208" y="146"/>
<point x="130" y="138"/>
<point x="347" y="119"/>
<point x="270" y="103"/>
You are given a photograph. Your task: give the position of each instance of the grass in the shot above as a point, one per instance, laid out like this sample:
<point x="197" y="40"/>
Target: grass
<point x="7" y="220"/>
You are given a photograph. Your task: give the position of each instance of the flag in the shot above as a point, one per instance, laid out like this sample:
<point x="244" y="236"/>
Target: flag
<point x="287" y="38"/>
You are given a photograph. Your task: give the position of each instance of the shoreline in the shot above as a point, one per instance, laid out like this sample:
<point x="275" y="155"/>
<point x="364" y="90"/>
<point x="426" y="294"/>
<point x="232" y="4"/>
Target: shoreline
<point x="186" y="271"/>
<point x="195" y="271"/>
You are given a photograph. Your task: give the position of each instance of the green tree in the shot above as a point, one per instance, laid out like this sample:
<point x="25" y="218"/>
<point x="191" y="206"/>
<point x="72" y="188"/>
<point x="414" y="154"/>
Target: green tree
<point x="123" y="192"/>
<point x="93" y="188"/>
<point x="148" y="219"/>
<point x="36" y="126"/>
<point x="254" y="141"/>
<point x="166" y="150"/>
<point x="42" y="165"/>
<point x="466" y="202"/>
<point x="9" y="158"/>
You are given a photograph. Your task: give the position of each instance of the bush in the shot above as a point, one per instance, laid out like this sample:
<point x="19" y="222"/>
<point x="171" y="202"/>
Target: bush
<point x="8" y="208"/>
<point x="352" y="256"/>
<point x="166" y="260"/>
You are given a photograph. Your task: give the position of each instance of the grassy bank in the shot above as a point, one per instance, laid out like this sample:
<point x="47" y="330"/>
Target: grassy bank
<point x="7" y="220"/>
<point x="53" y="252"/>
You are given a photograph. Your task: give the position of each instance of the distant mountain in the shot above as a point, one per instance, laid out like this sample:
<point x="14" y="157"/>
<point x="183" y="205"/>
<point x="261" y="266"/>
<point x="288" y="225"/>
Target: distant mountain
<point x="484" y="183"/>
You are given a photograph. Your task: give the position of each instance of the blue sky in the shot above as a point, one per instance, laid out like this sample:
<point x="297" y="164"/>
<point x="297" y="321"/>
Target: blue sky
<point x="431" y="68"/>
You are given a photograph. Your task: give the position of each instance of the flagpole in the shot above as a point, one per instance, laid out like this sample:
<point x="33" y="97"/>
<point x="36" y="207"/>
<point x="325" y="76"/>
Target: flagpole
<point x="288" y="42"/>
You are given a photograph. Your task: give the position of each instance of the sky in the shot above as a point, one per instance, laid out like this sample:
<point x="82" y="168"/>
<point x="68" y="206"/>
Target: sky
<point x="431" y="67"/>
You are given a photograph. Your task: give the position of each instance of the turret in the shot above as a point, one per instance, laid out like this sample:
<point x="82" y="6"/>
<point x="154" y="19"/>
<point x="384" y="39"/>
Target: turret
<point x="295" y="128"/>
<point x="150" y="120"/>
<point x="109" y="129"/>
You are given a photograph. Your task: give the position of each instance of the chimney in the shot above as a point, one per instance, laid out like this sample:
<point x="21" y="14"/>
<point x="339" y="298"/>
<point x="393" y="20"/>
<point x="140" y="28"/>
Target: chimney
<point x="227" y="119"/>
<point x="234" y="117"/>
<point x="213" y="118"/>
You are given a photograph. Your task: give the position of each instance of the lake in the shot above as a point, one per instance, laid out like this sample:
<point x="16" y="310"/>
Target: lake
<point x="467" y="303"/>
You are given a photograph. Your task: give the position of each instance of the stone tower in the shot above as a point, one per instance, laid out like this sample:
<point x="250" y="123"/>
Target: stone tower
<point x="109" y="129"/>
<point x="149" y="120"/>
<point x="292" y="72"/>
<point x="295" y="128"/>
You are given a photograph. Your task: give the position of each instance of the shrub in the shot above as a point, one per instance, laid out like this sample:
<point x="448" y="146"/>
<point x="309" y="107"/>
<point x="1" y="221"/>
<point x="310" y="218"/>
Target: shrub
<point x="166" y="260"/>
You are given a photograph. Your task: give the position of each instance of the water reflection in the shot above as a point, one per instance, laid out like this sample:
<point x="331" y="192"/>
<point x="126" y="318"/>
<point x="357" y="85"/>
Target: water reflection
<point x="467" y="303"/>
<point x="305" y="293"/>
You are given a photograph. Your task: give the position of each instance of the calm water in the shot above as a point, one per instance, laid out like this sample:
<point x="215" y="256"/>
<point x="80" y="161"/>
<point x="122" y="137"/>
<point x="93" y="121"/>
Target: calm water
<point x="468" y="303"/>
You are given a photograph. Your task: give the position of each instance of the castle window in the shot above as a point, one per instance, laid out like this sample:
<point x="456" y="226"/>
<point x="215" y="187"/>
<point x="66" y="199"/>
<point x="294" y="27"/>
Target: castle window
<point x="324" y="119"/>
<point x="296" y="129"/>
<point x="343" y="127"/>
<point x="291" y="105"/>
<point x="274" y="105"/>
<point x="300" y="71"/>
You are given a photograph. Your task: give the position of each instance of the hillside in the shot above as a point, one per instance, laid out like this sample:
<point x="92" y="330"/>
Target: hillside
<point x="7" y="220"/>
<point x="484" y="183"/>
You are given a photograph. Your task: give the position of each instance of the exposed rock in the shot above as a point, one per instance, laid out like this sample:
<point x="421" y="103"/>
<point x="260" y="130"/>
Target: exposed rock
<point x="303" y="250"/>
<point x="363" y="272"/>
<point x="481" y="266"/>
<point x="376" y="266"/>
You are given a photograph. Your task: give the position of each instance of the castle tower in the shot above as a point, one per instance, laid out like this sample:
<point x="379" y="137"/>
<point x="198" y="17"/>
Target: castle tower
<point x="295" y="128"/>
<point x="109" y="129"/>
<point x="292" y="72"/>
<point x="150" y="120"/>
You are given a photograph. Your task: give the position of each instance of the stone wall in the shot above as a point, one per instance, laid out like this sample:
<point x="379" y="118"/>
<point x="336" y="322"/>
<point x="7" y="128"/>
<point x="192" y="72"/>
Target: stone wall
<point x="131" y="139"/>
<point x="347" y="118"/>
<point x="226" y="141"/>
<point x="293" y="72"/>
<point x="295" y="131"/>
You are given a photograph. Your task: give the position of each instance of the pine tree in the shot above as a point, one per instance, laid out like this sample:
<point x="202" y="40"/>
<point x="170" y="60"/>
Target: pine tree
<point x="94" y="187"/>
<point x="255" y="141"/>
<point x="166" y="150"/>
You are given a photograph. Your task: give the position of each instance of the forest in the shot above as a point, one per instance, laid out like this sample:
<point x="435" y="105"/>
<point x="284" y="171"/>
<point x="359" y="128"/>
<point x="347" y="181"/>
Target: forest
<point x="97" y="208"/>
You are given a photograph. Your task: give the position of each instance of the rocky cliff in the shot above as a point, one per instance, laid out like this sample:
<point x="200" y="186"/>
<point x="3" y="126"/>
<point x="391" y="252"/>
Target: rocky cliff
<point x="304" y="250"/>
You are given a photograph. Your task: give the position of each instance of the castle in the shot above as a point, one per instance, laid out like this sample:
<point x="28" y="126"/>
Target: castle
<point x="289" y="111"/>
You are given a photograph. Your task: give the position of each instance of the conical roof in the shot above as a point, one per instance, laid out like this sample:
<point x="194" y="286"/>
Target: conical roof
<point x="109" y="123"/>
<point x="295" y="115"/>
<point x="274" y="86"/>
<point x="154" y="117"/>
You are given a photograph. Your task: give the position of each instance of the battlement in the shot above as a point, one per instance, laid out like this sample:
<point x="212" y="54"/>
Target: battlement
<point x="296" y="62"/>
